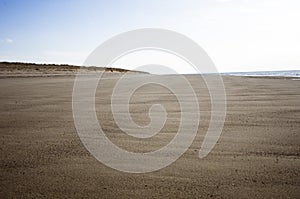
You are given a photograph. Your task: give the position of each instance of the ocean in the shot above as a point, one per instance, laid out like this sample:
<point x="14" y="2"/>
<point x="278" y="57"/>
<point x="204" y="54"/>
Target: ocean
<point x="283" y="73"/>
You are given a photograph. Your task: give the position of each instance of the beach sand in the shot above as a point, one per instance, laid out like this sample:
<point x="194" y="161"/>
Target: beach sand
<point x="257" y="155"/>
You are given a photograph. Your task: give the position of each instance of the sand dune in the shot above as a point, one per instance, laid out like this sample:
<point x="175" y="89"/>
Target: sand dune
<point x="17" y="69"/>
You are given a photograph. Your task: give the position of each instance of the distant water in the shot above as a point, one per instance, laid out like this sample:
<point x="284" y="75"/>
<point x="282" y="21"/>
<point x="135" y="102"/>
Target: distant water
<point x="284" y="73"/>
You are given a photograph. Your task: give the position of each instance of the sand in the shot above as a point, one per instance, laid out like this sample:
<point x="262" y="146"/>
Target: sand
<point x="258" y="154"/>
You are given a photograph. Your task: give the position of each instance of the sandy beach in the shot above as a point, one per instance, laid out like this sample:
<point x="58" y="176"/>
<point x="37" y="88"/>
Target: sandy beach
<point x="257" y="155"/>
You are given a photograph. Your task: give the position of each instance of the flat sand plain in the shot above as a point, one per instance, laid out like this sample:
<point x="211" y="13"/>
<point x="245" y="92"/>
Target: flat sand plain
<point x="257" y="155"/>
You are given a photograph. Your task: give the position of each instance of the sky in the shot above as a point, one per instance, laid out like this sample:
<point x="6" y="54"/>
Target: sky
<point x="238" y="35"/>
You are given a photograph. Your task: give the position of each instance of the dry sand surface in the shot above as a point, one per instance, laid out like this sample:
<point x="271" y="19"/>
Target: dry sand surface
<point x="258" y="154"/>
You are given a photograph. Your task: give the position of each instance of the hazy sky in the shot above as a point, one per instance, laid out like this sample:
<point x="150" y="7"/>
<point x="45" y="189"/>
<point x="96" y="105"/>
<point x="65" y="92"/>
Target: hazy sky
<point x="239" y="35"/>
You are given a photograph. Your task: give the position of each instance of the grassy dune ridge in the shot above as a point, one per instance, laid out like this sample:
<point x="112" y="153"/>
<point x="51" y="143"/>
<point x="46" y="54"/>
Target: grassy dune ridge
<point x="20" y="68"/>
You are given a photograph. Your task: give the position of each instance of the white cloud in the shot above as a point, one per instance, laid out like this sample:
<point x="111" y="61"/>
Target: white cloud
<point x="6" y="41"/>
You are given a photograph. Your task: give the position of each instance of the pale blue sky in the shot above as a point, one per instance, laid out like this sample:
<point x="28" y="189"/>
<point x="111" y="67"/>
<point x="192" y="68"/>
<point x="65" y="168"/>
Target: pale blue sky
<point x="239" y="35"/>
